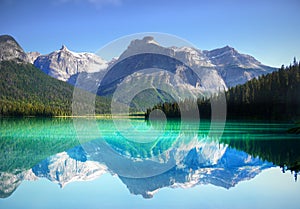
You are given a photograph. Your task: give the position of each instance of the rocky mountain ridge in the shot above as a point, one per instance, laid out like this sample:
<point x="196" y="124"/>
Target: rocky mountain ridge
<point x="63" y="63"/>
<point x="11" y="50"/>
<point x="219" y="68"/>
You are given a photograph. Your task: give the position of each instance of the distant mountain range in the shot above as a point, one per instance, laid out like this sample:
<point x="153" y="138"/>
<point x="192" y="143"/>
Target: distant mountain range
<point x="189" y="72"/>
<point x="219" y="67"/>
<point x="224" y="67"/>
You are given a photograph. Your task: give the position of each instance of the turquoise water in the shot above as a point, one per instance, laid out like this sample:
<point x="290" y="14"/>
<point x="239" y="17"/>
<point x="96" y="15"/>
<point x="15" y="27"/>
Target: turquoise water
<point x="105" y="163"/>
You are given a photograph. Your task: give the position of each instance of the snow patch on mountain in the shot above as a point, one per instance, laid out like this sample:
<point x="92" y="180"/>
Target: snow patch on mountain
<point x="63" y="63"/>
<point x="62" y="169"/>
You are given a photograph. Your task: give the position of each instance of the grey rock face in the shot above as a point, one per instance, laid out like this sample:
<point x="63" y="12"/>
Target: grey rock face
<point x="32" y="56"/>
<point x="11" y="50"/>
<point x="236" y="68"/>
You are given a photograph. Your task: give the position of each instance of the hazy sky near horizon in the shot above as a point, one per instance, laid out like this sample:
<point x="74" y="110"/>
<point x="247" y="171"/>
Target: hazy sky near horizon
<point x="267" y="29"/>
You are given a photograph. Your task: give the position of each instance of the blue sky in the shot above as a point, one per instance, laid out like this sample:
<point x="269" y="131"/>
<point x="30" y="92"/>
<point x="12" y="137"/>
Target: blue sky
<point x="268" y="30"/>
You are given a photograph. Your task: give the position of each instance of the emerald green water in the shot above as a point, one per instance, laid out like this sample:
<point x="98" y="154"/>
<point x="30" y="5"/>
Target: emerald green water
<point x="154" y="160"/>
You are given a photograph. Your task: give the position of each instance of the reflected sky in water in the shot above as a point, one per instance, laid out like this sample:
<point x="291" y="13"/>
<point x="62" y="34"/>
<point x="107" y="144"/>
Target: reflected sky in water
<point x="271" y="189"/>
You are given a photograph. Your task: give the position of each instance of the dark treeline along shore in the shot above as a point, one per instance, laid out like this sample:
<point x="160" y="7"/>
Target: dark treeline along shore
<point x="275" y="96"/>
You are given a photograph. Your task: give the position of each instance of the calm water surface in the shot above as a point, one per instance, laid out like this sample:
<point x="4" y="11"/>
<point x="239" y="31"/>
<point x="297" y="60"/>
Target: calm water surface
<point x="88" y="163"/>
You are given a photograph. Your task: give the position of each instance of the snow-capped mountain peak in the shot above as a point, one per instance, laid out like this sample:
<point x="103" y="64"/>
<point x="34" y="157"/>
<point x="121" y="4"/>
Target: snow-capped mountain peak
<point x="64" y="48"/>
<point x="63" y="63"/>
<point x="62" y="169"/>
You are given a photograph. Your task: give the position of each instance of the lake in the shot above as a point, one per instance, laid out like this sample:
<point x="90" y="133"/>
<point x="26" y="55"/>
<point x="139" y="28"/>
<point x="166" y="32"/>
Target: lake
<point x="133" y="163"/>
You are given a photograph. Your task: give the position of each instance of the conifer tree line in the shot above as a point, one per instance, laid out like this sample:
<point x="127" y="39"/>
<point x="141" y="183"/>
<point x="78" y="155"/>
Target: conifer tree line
<point x="274" y="96"/>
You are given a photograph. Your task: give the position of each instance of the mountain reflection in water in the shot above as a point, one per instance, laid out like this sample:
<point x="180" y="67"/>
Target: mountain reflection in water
<point x="178" y="159"/>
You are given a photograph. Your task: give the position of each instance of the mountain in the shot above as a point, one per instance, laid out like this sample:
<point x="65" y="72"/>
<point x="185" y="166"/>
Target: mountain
<point x="11" y="50"/>
<point x="190" y="71"/>
<point x="63" y="169"/>
<point x="232" y="168"/>
<point x="26" y="90"/>
<point x="236" y="68"/>
<point x="184" y="70"/>
<point x="62" y="64"/>
<point x="216" y="68"/>
<point x="10" y="181"/>
<point x="145" y="74"/>
<point x="227" y="56"/>
<point x="32" y="56"/>
<point x="196" y="164"/>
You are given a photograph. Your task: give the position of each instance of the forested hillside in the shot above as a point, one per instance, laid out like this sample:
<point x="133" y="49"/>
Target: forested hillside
<point x="27" y="91"/>
<point x="273" y="96"/>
